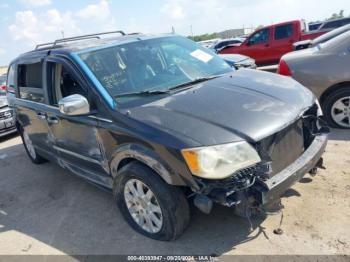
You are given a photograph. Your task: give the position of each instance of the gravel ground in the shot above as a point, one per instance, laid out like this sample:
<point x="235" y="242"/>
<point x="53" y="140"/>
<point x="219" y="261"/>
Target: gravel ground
<point x="46" y="210"/>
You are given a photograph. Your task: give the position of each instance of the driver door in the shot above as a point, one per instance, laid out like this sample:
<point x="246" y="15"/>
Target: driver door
<point x="75" y="137"/>
<point x="258" y="46"/>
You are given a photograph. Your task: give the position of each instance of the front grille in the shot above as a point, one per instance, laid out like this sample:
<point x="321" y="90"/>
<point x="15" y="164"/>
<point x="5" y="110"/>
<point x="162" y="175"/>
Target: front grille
<point x="240" y="180"/>
<point x="283" y="148"/>
<point x="5" y="114"/>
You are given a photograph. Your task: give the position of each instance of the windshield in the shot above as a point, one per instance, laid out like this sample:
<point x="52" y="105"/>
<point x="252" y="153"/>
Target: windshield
<point x="331" y="34"/>
<point x="338" y="41"/>
<point x="155" y="64"/>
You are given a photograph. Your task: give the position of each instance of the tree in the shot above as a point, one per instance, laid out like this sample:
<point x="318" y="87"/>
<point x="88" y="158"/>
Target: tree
<point x="337" y="15"/>
<point x="204" y="37"/>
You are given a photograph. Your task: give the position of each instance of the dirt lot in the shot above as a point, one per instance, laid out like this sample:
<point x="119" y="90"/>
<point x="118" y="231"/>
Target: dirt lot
<point x="46" y="210"/>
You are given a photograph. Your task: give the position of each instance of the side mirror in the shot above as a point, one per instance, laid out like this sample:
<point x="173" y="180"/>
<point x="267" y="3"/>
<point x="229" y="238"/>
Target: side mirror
<point x="74" y="105"/>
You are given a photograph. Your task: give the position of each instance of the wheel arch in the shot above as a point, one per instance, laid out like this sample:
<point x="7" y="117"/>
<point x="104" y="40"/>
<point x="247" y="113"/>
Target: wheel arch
<point x="18" y="126"/>
<point x="332" y="89"/>
<point x="133" y="152"/>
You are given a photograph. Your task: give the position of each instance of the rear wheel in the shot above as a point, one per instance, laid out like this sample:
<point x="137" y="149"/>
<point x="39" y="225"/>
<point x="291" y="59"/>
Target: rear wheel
<point x="29" y="147"/>
<point x="337" y="108"/>
<point x="150" y="206"/>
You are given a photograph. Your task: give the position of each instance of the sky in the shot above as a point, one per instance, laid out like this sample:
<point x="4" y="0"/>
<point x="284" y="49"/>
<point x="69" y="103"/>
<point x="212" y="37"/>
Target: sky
<point x="25" y="23"/>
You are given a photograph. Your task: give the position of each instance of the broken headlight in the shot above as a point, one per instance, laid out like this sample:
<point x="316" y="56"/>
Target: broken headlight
<point x="220" y="161"/>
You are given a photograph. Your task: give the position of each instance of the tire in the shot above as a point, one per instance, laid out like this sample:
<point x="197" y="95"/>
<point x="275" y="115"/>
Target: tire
<point x="31" y="152"/>
<point x="173" y="209"/>
<point x="330" y="106"/>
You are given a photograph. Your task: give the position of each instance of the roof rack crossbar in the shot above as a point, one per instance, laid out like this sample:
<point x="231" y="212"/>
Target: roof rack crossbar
<point x="77" y="38"/>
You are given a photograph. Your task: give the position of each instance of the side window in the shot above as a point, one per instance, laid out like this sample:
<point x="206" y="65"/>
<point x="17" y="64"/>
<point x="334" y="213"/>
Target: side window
<point x="330" y="25"/>
<point x="335" y="24"/>
<point x="62" y="83"/>
<point x="260" y="37"/>
<point x="313" y="27"/>
<point x="283" y="31"/>
<point x="222" y="44"/>
<point x="344" y="22"/>
<point x="30" y="82"/>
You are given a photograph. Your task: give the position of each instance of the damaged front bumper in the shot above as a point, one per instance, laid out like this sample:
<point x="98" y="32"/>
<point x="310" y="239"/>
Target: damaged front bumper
<point x="252" y="187"/>
<point x="272" y="189"/>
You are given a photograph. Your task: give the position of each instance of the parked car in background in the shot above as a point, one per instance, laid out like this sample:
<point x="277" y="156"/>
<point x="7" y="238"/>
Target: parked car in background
<point x="3" y="87"/>
<point x="239" y="61"/>
<point x="7" y="123"/>
<point x="334" y="23"/>
<point x="225" y="43"/>
<point x="324" y="69"/>
<point x="266" y="45"/>
<point x="161" y="121"/>
<point x="321" y="39"/>
<point x="315" y="26"/>
<point x="209" y="43"/>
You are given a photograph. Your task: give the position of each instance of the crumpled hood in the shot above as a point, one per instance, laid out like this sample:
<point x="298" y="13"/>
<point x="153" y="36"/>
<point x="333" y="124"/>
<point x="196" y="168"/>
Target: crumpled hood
<point x="3" y="101"/>
<point x="245" y="104"/>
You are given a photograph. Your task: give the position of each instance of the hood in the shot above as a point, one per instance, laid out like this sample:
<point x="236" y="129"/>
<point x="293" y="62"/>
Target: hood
<point x="304" y="42"/>
<point x="3" y="101"/>
<point x="235" y="58"/>
<point x="245" y="104"/>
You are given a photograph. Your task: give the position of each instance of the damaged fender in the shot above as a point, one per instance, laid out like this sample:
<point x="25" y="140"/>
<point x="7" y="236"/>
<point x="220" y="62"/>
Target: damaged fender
<point x="147" y="157"/>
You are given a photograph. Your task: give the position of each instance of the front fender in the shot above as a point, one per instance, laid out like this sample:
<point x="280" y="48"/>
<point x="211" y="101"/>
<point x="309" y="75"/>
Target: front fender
<point x="147" y="157"/>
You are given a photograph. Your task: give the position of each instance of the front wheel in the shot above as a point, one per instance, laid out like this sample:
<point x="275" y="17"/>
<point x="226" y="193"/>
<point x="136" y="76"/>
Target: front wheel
<point x="337" y="108"/>
<point x="150" y="206"/>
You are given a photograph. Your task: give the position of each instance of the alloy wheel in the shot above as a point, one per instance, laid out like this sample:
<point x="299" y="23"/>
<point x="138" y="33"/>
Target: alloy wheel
<point x="341" y="112"/>
<point x="143" y="206"/>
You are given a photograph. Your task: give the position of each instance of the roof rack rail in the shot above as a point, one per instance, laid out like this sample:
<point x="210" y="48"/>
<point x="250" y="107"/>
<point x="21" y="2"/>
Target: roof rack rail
<point x="77" y="38"/>
<point x="44" y="44"/>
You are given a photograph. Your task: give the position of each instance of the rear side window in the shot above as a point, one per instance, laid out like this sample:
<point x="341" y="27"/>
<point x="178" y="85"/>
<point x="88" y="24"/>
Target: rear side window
<point x="30" y="82"/>
<point x="283" y="31"/>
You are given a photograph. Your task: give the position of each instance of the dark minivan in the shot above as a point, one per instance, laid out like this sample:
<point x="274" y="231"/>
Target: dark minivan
<point x="160" y="121"/>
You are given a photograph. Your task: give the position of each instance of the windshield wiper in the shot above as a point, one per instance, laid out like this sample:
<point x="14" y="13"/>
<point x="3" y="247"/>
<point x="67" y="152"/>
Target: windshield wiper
<point x="167" y="91"/>
<point x="195" y="81"/>
<point x="143" y="93"/>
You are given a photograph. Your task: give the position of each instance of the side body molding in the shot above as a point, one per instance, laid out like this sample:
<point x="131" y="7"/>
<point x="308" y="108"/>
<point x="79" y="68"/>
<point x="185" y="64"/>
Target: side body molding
<point x="147" y="157"/>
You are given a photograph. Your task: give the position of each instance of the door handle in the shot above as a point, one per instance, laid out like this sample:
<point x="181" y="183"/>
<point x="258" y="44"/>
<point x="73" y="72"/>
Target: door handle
<point x="40" y="115"/>
<point x="52" y="120"/>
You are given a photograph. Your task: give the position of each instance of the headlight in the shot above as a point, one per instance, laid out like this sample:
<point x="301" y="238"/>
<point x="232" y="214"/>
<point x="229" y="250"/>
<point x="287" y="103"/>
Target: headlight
<point x="8" y="114"/>
<point x="221" y="161"/>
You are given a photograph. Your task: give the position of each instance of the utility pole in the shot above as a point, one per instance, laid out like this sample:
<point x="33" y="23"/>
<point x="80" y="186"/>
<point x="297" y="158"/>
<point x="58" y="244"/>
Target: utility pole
<point x="62" y="33"/>
<point x="191" y="29"/>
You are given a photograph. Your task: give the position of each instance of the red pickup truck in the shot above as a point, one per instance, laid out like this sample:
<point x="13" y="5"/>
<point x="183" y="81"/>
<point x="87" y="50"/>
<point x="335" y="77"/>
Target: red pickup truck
<point x="268" y="44"/>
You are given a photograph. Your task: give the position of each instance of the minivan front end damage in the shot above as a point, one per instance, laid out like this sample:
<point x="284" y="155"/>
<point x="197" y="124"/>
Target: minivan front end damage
<point x="286" y="157"/>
